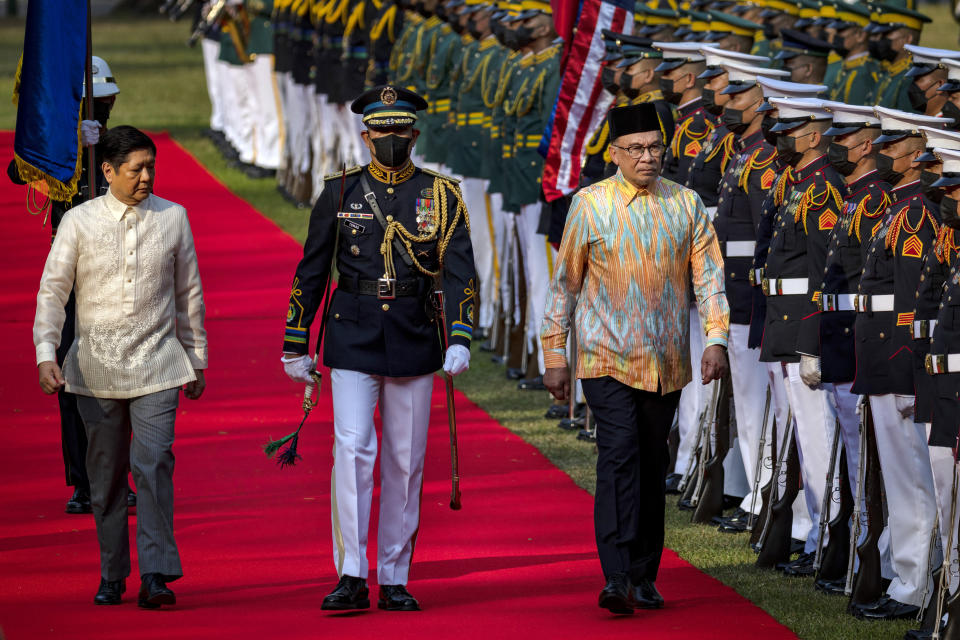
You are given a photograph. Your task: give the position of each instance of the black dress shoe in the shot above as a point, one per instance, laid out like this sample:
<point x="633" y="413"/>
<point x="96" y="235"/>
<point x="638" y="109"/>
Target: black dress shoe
<point x="350" y="593"/>
<point x="532" y="384"/>
<point x="886" y="609"/>
<point x="395" y="597"/>
<point x="557" y="411"/>
<point x="722" y="519"/>
<point x="673" y="483"/>
<point x="920" y="634"/>
<point x="831" y="587"/>
<point x="154" y="592"/>
<point x="587" y="436"/>
<point x="131" y="498"/>
<point x="516" y="374"/>
<point x="79" y="502"/>
<point x="801" y="567"/>
<point x="109" y="591"/>
<point x="646" y="595"/>
<point x="617" y="595"/>
<point x="685" y="505"/>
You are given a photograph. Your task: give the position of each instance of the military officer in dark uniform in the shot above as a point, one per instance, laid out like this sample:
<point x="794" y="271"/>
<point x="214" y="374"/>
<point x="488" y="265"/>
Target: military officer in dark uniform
<point x="381" y="337"/>
<point x="885" y="369"/>
<point x="682" y="63"/>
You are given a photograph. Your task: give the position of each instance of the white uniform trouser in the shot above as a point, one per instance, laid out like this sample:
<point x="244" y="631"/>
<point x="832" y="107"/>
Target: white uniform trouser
<point x="911" y="503"/>
<point x="405" y="411"/>
<point x="350" y="144"/>
<point x="211" y="51"/>
<point x="237" y="111"/>
<point x="265" y="105"/>
<point x="815" y="416"/>
<point x="297" y="117"/>
<point x="944" y="469"/>
<point x="780" y="407"/>
<point x="846" y="408"/>
<point x="510" y="262"/>
<point x="538" y="259"/>
<point x="481" y="237"/>
<point x="692" y="399"/>
<point x="749" y="378"/>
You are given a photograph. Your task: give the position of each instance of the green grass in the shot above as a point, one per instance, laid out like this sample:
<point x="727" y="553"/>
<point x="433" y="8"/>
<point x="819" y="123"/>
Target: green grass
<point x="162" y="88"/>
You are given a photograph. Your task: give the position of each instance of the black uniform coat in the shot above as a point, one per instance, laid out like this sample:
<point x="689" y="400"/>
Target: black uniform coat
<point x="706" y="170"/>
<point x="892" y="266"/>
<point x="768" y="214"/>
<point x="694" y="126"/>
<point x="364" y="333"/>
<point x="946" y="339"/>
<point x="830" y="334"/>
<point x="749" y="176"/>
<point x="798" y="249"/>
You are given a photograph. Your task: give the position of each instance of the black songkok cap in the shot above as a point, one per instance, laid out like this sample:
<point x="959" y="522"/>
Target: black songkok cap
<point x="636" y="118"/>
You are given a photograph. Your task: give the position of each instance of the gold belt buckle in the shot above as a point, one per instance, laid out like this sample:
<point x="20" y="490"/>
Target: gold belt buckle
<point x="752" y="277"/>
<point x="386" y="288"/>
<point x="935" y="364"/>
<point x="765" y="286"/>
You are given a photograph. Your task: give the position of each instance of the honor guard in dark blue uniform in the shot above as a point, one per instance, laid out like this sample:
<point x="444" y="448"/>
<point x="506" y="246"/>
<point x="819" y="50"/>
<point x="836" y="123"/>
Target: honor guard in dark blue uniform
<point x="398" y="235"/>
<point x="951" y="89"/>
<point x="749" y="176"/>
<point x="682" y="64"/>
<point x="798" y="249"/>
<point x="885" y="367"/>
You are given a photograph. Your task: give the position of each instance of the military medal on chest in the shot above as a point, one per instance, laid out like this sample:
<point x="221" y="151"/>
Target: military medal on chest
<point x="426" y="215"/>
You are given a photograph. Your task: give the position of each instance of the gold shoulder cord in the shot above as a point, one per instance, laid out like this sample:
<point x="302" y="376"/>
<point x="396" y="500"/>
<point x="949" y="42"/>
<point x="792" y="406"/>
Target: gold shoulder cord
<point x="444" y="230"/>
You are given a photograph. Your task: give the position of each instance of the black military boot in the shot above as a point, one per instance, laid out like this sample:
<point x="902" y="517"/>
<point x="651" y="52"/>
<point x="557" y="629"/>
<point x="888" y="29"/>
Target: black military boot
<point x="350" y="593"/>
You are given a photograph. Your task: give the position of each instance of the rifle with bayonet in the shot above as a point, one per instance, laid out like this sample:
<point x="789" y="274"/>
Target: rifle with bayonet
<point x="691" y="483"/>
<point x="833" y="561"/>
<point x="758" y="467"/>
<point x="710" y="501"/>
<point x="776" y="541"/>
<point x="867" y="585"/>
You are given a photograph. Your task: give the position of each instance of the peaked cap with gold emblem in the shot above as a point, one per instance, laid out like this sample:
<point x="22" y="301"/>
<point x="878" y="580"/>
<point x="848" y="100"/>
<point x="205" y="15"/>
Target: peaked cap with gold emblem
<point x="388" y="106"/>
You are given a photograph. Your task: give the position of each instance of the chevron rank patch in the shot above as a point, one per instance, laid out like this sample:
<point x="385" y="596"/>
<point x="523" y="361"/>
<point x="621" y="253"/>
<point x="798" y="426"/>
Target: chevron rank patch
<point x="768" y="178"/>
<point x="827" y="220"/>
<point x="912" y="247"/>
<point x="905" y="319"/>
<point x="692" y="149"/>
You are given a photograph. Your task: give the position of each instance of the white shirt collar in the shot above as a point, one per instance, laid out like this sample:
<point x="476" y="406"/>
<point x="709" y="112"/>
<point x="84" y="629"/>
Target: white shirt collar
<point x="117" y="209"/>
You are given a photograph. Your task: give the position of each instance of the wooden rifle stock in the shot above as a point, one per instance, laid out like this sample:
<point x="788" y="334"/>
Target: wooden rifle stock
<point x="776" y="543"/>
<point x="833" y="561"/>
<point x="710" y="502"/>
<point x="867" y="582"/>
<point x="766" y="492"/>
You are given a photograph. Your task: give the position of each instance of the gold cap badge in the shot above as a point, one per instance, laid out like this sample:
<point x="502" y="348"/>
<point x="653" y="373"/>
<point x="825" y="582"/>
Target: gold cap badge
<point x="388" y="96"/>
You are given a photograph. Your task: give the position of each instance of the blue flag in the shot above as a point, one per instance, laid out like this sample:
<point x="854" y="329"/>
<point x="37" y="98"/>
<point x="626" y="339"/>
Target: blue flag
<point x="48" y="93"/>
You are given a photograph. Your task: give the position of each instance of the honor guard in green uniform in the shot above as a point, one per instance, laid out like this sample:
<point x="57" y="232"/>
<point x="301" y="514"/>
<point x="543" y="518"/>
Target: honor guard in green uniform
<point x="435" y="86"/>
<point x="890" y="29"/>
<point x="387" y="26"/>
<point x="927" y="73"/>
<point x="730" y="33"/>
<point x="399" y="67"/>
<point x="951" y="89"/>
<point x="857" y="75"/>
<point x="804" y="56"/>
<point x="655" y="24"/>
<point x="777" y="15"/>
<point x="396" y="235"/>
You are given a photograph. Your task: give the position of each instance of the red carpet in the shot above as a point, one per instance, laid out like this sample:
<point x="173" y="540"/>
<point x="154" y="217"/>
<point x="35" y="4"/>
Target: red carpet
<point x="517" y="561"/>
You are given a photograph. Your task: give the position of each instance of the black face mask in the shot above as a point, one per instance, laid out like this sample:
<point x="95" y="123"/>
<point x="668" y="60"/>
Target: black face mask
<point x="423" y="11"/>
<point x="101" y="111"/>
<point x="733" y="119"/>
<point x="765" y="127"/>
<point x="927" y="178"/>
<point x="524" y="36"/>
<point x="948" y="213"/>
<point x="918" y="100"/>
<point x="837" y="43"/>
<point x="606" y="79"/>
<point x="950" y="110"/>
<point x="787" y="150"/>
<point x="708" y="102"/>
<point x="392" y="150"/>
<point x="885" y="169"/>
<point x="441" y="12"/>
<point x="472" y="29"/>
<point x="666" y="87"/>
<point x="457" y="27"/>
<point x="510" y="40"/>
<point x="769" y="31"/>
<point x="837" y="155"/>
<point x="625" y="80"/>
<point x="882" y="49"/>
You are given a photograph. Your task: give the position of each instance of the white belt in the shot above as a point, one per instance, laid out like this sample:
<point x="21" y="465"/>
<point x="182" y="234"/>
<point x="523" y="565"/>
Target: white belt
<point x="785" y="286"/>
<point x="923" y="329"/>
<point x="944" y="363"/>
<point x="741" y="248"/>
<point x="838" y="302"/>
<point x="864" y="303"/>
<point x="756" y="277"/>
<point x="712" y="213"/>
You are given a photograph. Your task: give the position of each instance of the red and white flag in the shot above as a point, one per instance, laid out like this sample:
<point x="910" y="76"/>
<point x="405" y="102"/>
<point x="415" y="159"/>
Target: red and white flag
<point x="582" y="103"/>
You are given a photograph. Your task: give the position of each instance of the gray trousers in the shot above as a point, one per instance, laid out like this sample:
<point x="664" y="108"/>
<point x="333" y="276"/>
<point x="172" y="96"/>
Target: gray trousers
<point x="149" y="453"/>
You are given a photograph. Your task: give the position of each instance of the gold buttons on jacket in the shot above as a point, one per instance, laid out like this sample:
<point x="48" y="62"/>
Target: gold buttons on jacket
<point x="785" y="317"/>
<point x="389" y="189"/>
<point x="385" y="307"/>
<point x="336" y="316"/>
<point x="882" y="336"/>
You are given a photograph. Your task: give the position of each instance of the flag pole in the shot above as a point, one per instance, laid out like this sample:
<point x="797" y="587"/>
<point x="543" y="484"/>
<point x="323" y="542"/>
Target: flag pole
<point x="88" y="79"/>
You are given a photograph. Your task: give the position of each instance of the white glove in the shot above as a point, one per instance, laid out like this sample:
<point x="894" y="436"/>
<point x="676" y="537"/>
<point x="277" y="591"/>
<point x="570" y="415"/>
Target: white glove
<point x="810" y="370"/>
<point x="457" y="360"/>
<point x="297" y="368"/>
<point x="89" y="132"/>
<point x="861" y="400"/>
<point x="905" y="405"/>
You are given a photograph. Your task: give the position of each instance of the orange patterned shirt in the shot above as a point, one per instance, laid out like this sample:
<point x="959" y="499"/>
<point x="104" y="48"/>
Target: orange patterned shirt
<point x="623" y="274"/>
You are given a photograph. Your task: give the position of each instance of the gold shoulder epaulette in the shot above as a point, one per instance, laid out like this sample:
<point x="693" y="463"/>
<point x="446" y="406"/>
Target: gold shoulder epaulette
<point x="350" y="171"/>
<point x="436" y="174"/>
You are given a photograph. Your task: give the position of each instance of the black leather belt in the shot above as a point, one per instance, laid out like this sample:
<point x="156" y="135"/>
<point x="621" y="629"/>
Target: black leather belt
<point x="404" y="288"/>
